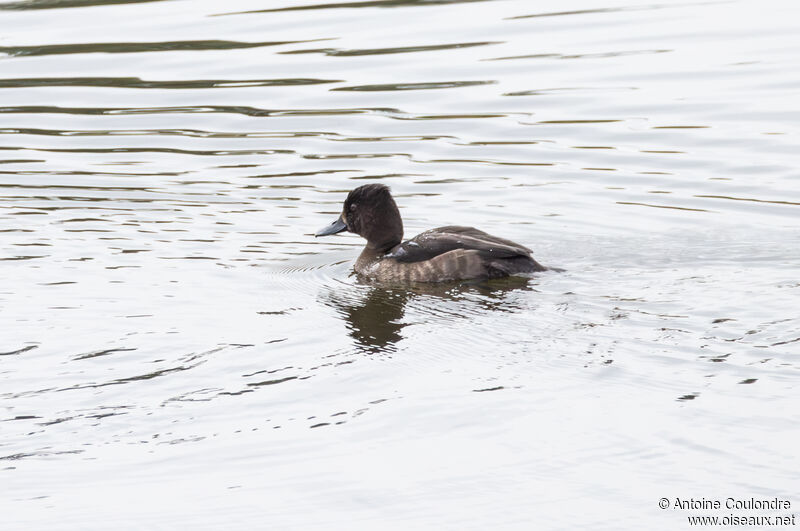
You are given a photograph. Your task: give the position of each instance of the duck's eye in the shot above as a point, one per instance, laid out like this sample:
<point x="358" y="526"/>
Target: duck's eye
<point x="353" y="207"/>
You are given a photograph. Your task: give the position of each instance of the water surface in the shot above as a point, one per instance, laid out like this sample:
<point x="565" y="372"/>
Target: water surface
<point x="177" y="350"/>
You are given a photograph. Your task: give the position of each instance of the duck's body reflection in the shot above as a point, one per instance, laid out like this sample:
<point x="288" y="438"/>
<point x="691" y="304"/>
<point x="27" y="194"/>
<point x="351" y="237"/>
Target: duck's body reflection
<point x="374" y="314"/>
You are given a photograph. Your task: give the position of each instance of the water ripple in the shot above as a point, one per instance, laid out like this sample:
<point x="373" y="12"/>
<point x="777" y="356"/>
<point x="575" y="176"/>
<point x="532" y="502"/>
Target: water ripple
<point x="60" y="4"/>
<point x="414" y="86"/>
<point x="335" y="52"/>
<point x="135" y="82"/>
<point x="366" y="3"/>
<point x="137" y="47"/>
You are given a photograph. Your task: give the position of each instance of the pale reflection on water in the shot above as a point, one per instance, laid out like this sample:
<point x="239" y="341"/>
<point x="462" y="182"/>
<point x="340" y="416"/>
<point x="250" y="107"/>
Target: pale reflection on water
<point x="178" y="351"/>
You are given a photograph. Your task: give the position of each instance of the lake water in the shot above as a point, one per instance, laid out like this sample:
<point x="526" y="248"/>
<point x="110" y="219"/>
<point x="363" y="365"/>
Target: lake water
<point x="177" y="351"/>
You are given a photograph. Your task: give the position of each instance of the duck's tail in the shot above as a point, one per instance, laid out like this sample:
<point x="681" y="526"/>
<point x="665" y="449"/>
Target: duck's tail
<point x="503" y="267"/>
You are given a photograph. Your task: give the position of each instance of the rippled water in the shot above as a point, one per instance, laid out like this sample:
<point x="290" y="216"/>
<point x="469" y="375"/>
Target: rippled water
<point x="177" y="350"/>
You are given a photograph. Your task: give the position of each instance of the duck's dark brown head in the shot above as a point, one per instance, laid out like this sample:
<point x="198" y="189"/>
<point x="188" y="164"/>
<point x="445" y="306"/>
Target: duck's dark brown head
<point x="370" y="212"/>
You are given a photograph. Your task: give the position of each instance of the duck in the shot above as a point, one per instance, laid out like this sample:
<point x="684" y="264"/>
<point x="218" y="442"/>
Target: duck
<point x="443" y="254"/>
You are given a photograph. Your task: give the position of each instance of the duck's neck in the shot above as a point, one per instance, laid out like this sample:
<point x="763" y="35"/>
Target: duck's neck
<point x="383" y="247"/>
<point x="371" y="255"/>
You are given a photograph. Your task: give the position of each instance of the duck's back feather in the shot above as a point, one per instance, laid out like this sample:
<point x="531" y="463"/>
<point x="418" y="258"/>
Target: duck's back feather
<point x="435" y="242"/>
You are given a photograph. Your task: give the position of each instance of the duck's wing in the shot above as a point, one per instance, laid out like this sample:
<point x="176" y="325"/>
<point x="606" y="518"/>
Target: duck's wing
<point x="434" y="242"/>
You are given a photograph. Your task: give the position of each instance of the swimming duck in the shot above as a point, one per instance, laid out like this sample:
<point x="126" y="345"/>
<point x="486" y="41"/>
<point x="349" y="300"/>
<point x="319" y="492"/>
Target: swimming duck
<point x="436" y="255"/>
